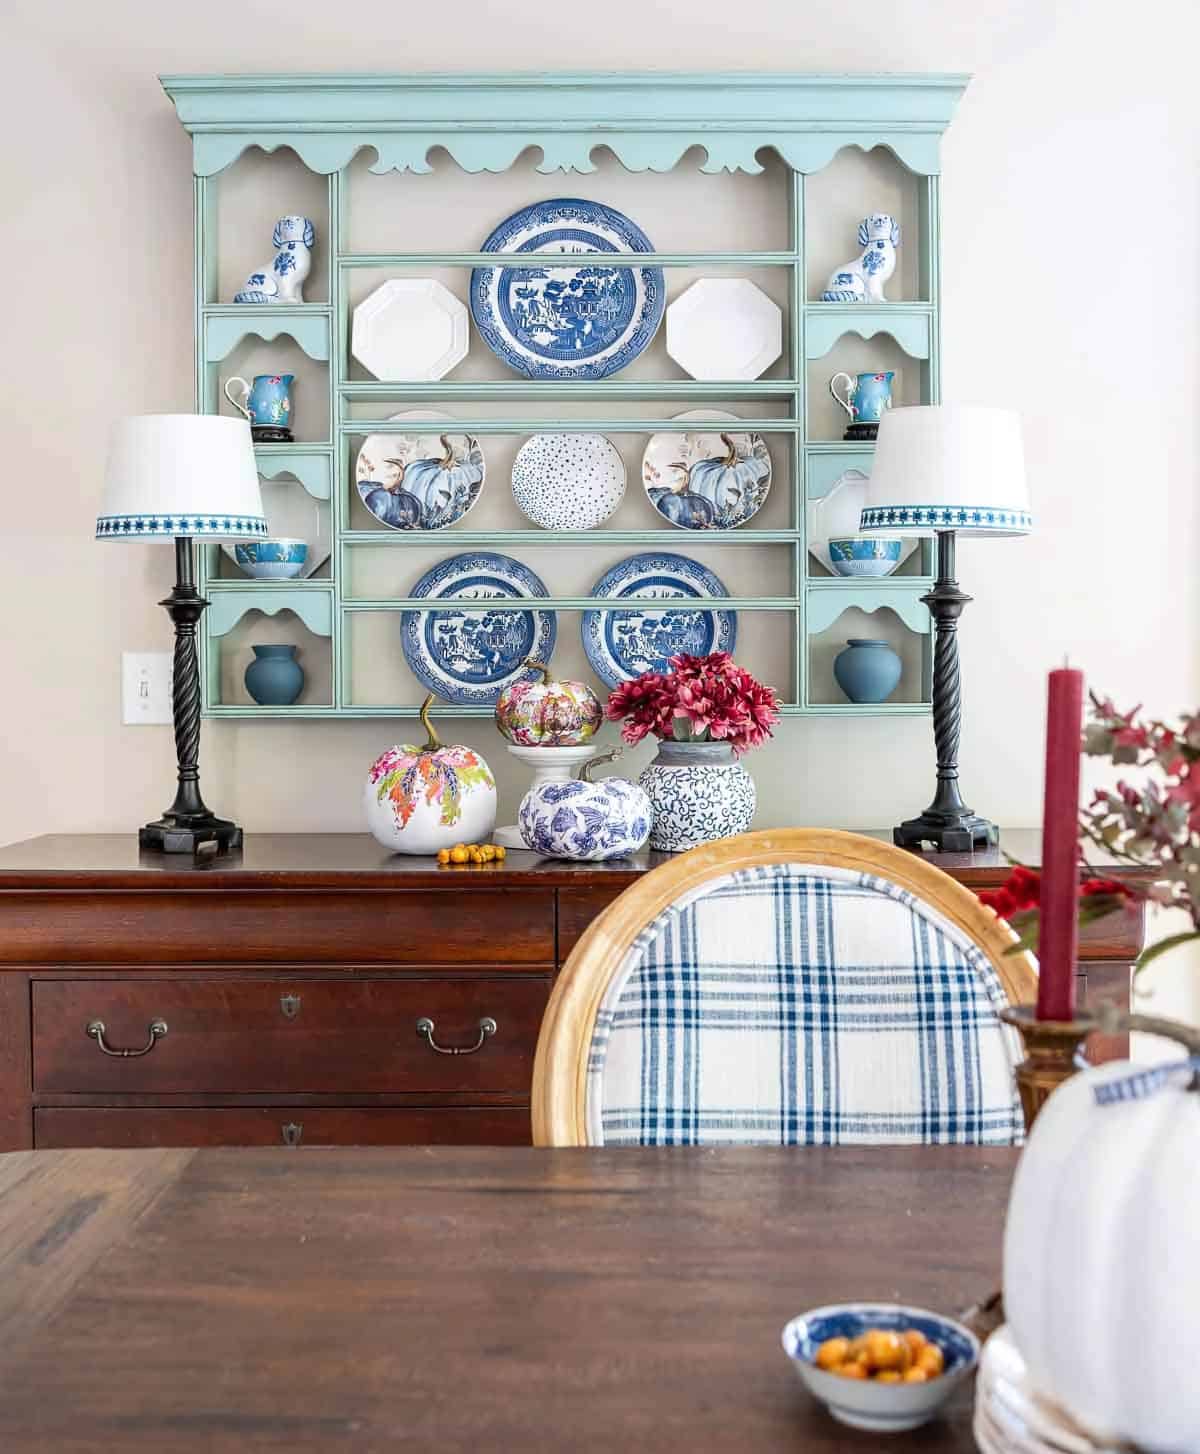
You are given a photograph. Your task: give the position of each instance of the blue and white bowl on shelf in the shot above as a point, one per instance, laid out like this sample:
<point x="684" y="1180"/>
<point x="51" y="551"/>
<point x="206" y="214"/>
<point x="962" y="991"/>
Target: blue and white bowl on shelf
<point x="865" y="555"/>
<point x="278" y="559"/>
<point x="882" y="1408"/>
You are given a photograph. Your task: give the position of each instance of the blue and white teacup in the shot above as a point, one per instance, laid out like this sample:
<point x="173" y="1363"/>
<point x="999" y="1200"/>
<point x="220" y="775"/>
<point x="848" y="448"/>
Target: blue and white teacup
<point x="866" y="395"/>
<point x="865" y="555"/>
<point x="271" y="560"/>
<point x="266" y="403"/>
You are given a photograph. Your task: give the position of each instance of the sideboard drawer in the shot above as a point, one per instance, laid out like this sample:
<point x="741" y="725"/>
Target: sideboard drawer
<point x="57" y="1128"/>
<point x="239" y="1037"/>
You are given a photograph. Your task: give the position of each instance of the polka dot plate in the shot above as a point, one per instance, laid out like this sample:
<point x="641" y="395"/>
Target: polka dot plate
<point x="568" y="481"/>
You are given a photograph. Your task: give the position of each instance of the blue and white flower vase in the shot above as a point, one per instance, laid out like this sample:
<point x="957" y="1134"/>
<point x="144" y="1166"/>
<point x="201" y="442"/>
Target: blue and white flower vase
<point x="699" y="792"/>
<point x="867" y="671"/>
<point x="274" y="678"/>
<point x="583" y="820"/>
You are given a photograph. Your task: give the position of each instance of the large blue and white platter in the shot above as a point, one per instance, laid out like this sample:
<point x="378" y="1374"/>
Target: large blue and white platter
<point x="469" y="656"/>
<point x="564" y="322"/>
<point x="623" y="644"/>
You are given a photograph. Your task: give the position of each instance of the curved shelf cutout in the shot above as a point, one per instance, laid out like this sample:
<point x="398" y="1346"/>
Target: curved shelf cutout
<point x="312" y="470"/>
<point x="495" y="151"/>
<point x="223" y="334"/>
<point x="912" y="331"/>
<point x="314" y="608"/>
<point x="825" y="606"/>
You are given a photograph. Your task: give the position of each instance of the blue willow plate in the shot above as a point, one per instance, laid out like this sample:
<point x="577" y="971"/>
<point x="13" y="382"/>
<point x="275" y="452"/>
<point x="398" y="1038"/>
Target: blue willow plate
<point x="469" y="656"/>
<point x="621" y="645"/>
<point x="565" y="322"/>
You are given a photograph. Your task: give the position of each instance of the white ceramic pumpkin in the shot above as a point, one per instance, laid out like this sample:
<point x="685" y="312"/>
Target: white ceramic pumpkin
<point x="583" y="820"/>
<point x="1102" y="1260"/>
<point x="420" y="799"/>
<point x="538" y="711"/>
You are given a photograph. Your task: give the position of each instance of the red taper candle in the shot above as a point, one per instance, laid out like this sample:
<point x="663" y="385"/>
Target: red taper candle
<point x="1058" y="938"/>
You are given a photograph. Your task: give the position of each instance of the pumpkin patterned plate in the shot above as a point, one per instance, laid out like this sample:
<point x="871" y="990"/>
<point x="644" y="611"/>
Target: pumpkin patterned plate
<point x="419" y="481"/>
<point x="713" y="479"/>
<point x="621" y="645"/>
<point x="468" y="657"/>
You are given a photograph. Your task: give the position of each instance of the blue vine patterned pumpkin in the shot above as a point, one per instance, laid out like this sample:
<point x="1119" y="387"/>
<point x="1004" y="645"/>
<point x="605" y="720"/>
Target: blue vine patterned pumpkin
<point x="584" y="820"/>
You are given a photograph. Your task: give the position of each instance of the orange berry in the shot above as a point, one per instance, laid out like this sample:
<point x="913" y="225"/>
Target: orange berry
<point x="931" y="1359"/>
<point x="915" y="1339"/>
<point x="888" y="1375"/>
<point x="916" y="1375"/>
<point x="832" y="1353"/>
<point x="850" y="1370"/>
<point x="500" y="852"/>
<point x="886" y="1349"/>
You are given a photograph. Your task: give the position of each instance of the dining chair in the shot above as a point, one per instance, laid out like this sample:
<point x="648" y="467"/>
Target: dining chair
<point x="798" y="986"/>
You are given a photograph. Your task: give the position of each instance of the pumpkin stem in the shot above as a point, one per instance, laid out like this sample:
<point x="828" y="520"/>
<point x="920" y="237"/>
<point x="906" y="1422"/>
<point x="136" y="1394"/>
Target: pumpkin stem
<point x="447" y="459"/>
<point x="1114" y="1022"/>
<point x="731" y="458"/>
<point x="585" y="772"/>
<point x="435" y="741"/>
<point x="534" y="665"/>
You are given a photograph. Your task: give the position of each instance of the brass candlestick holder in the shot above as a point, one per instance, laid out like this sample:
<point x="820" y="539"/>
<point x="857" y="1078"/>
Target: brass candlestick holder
<point x="1050" y="1050"/>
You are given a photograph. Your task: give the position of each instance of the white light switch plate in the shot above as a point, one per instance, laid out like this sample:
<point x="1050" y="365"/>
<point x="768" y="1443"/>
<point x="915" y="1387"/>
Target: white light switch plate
<point x="146" y="682"/>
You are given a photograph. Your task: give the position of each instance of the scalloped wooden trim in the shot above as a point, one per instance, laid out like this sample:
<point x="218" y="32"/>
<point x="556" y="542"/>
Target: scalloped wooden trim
<point x="559" y="1103"/>
<point x="824" y="607"/>
<point x="314" y="608"/>
<point x="223" y="334"/>
<point x="912" y="331"/>
<point x="312" y="470"/>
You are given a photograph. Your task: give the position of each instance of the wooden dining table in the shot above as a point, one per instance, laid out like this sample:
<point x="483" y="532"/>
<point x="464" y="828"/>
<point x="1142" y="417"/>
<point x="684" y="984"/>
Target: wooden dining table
<point x="466" y="1299"/>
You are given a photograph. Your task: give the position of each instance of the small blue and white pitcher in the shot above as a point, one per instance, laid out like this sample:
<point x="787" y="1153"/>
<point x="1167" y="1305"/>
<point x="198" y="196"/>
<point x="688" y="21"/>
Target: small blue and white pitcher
<point x="266" y="404"/>
<point x="867" y="396"/>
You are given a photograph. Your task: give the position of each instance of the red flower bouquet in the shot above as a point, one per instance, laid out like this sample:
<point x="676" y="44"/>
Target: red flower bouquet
<point x="701" y="699"/>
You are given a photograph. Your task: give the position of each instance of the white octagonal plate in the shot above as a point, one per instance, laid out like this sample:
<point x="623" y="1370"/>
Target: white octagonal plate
<point x="410" y="330"/>
<point x="724" y="328"/>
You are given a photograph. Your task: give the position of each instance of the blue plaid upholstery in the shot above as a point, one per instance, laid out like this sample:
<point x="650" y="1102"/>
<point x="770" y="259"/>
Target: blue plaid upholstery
<point x="801" y="1005"/>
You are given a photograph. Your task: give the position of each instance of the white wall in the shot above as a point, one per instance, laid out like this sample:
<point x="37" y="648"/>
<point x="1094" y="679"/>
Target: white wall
<point x="1069" y="292"/>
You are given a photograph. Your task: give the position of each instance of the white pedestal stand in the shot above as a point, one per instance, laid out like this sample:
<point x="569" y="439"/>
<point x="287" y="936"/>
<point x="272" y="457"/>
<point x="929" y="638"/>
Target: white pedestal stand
<point x="550" y="765"/>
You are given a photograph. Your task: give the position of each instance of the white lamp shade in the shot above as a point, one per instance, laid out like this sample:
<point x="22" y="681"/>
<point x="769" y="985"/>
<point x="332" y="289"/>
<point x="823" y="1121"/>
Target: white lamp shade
<point x="954" y="467"/>
<point x="181" y="474"/>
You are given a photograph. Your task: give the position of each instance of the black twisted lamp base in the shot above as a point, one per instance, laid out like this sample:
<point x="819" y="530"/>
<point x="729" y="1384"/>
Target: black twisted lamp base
<point x="187" y="826"/>
<point x="948" y="824"/>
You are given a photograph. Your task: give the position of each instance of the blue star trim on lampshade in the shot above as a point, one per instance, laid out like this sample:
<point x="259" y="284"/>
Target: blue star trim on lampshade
<point x="136" y="527"/>
<point x="947" y="517"/>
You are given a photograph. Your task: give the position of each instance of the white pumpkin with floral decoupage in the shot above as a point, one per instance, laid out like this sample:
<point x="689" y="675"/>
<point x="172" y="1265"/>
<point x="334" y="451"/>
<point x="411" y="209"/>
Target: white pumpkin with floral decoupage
<point x="420" y="799"/>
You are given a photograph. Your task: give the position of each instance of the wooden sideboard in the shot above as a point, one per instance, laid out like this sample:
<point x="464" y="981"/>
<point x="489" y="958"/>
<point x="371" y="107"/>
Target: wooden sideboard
<point x="276" y="996"/>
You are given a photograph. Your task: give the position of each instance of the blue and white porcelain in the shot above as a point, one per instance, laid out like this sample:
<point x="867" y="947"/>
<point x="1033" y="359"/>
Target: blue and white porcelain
<point x="419" y="481"/>
<point x="469" y="656"/>
<point x="564" y="322"/>
<point x="861" y="280"/>
<point x="867" y="670"/>
<point x="880" y="1408"/>
<point x="707" y="479"/>
<point x="282" y="279"/>
<point x="866" y="397"/>
<point x="698" y="792"/>
<point x="584" y="820"/>
<point x="271" y="560"/>
<point x="622" y="644"/>
<point x="865" y="555"/>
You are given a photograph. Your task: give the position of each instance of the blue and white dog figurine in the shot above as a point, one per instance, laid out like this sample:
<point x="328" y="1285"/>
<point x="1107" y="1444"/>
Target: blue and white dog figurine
<point x="861" y="280"/>
<point x="283" y="280"/>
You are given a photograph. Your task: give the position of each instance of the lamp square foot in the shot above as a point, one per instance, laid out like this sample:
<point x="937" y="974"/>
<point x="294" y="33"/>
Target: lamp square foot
<point x="196" y="836"/>
<point x="954" y="835"/>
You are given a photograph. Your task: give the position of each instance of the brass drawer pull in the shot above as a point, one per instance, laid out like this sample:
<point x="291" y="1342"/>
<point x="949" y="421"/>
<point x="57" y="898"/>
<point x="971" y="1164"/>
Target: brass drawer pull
<point x="487" y="1026"/>
<point x="292" y="1132"/>
<point x="156" y="1028"/>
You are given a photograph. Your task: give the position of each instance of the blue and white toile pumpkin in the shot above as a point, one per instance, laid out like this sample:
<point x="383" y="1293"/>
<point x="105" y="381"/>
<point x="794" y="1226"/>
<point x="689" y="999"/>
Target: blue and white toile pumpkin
<point x="584" y="820"/>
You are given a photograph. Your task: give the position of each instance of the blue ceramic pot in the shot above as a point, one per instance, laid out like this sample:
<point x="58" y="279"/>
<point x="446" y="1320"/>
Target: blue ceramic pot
<point x="274" y="678"/>
<point x="867" y="671"/>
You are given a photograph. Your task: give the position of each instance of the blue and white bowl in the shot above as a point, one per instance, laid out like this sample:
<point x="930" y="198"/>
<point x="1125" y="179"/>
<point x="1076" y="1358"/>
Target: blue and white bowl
<point x="883" y="1408"/>
<point x="865" y="555"/>
<point x="272" y="560"/>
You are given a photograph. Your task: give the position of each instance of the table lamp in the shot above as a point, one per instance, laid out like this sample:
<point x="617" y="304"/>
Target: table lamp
<point x="947" y="470"/>
<point x="183" y="477"/>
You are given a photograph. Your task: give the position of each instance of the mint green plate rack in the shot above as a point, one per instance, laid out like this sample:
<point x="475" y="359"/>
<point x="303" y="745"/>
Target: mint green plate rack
<point x="485" y="122"/>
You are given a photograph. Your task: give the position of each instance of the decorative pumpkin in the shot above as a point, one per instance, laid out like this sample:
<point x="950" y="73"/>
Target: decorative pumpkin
<point x="420" y="799"/>
<point x="535" y="712"/>
<point x="584" y="820"/>
<point x="724" y="481"/>
<point x="1102" y="1257"/>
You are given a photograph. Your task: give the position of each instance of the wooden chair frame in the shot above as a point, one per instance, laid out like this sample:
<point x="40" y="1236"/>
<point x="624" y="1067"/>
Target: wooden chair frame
<point x="560" y="1067"/>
